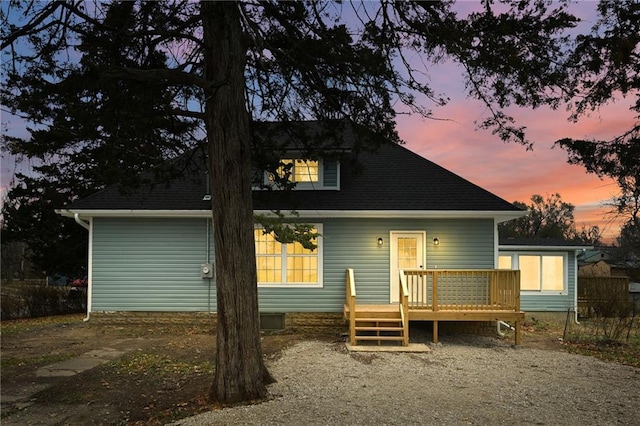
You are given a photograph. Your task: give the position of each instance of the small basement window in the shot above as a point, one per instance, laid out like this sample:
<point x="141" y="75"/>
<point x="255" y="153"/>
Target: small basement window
<point x="272" y="321"/>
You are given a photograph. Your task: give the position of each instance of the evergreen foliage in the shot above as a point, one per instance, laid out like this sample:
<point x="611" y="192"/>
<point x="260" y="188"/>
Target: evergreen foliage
<point x="115" y="88"/>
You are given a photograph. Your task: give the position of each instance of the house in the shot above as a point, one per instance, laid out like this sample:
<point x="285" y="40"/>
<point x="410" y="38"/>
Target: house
<point x="595" y="269"/>
<point x="397" y="232"/>
<point x="548" y="274"/>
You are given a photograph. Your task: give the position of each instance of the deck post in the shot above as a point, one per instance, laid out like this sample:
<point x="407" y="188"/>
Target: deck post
<point x="517" y="333"/>
<point x="435" y="331"/>
<point x="434" y="289"/>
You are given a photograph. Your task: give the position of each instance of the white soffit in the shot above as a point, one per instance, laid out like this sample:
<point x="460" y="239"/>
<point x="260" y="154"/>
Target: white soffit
<point x="373" y="214"/>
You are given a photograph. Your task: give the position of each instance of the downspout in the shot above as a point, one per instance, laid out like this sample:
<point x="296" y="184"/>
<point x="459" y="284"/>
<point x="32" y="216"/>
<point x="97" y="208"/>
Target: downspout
<point x="496" y="255"/>
<point x="208" y="260"/>
<point x="81" y="222"/>
<point x="575" y="287"/>
<point x="87" y="226"/>
<point x="502" y="323"/>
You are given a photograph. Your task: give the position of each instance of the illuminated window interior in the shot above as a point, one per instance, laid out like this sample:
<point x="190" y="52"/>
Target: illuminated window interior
<point x="537" y="272"/>
<point x="300" y="170"/>
<point x="285" y="263"/>
<point x="504" y="262"/>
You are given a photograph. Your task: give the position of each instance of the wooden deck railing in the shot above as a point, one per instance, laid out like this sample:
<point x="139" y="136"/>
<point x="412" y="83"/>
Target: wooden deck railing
<point x="351" y="303"/>
<point x="468" y="290"/>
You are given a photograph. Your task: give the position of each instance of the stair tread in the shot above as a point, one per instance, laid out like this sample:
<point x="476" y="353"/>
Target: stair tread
<point x="379" y="329"/>
<point x="380" y="338"/>
<point x="378" y="319"/>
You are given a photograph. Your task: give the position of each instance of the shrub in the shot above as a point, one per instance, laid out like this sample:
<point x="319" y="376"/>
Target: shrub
<point x="30" y="301"/>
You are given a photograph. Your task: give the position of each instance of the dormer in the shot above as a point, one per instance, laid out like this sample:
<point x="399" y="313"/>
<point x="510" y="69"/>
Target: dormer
<point x="308" y="175"/>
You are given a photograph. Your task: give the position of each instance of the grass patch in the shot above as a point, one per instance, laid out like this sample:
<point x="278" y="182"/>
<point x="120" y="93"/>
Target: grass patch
<point x="588" y="338"/>
<point x="9" y="327"/>
<point x="145" y="363"/>
<point x="622" y="353"/>
<point x="33" y="361"/>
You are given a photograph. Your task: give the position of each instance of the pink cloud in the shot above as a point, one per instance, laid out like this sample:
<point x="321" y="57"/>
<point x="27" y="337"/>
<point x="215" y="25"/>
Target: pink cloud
<point x="512" y="172"/>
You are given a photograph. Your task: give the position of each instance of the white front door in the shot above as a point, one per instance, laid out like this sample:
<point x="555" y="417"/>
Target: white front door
<point x="407" y="252"/>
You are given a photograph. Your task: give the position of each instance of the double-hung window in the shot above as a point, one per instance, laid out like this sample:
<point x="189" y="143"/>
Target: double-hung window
<point x="539" y="272"/>
<point x="288" y="265"/>
<point x="302" y="172"/>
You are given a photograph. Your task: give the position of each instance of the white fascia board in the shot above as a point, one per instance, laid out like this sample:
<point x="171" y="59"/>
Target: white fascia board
<point x="500" y="216"/>
<point x="136" y="213"/>
<point x="543" y="248"/>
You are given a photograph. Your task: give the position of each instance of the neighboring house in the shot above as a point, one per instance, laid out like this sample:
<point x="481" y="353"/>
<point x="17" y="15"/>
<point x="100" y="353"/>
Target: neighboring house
<point x="386" y="212"/>
<point x="592" y="256"/>
<point x="594" y="269"/>
<point x="548" y="273"/>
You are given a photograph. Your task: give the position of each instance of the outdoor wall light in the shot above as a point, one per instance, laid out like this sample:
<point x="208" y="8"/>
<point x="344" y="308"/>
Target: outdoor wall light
<point x="380" y="241"/>
<point x="436" y="241"/>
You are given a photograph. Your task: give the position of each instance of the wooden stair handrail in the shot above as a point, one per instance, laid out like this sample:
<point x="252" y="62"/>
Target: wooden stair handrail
<point x="351" y="303"/>
<point x="404" y="308"/>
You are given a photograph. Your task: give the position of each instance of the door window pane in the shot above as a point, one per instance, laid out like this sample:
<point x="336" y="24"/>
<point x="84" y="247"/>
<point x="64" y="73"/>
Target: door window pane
<point x="407" y="252"/>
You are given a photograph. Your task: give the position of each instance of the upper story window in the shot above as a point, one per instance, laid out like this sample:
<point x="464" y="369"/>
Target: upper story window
<point x="298" y="170"/>
<point x="309" y="175"/>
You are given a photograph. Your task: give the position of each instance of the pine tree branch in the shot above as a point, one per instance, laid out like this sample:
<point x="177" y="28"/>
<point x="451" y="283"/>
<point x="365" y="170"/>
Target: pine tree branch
<point x="32" y="26"/>
<point x="171" y="76"/>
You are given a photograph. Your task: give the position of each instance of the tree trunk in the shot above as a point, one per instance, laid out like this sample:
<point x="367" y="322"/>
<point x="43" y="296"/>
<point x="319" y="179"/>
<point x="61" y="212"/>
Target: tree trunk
<point x="240" y="371"/>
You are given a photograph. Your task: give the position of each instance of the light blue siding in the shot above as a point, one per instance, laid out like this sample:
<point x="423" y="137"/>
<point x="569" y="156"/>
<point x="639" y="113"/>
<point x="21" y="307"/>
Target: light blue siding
<point x="154" y="264"/>
<point x="352" y="243"/>
<point x="150" y="265"/>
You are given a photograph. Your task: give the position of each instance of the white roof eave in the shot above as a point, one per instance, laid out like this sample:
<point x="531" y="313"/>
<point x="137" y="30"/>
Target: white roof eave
<point x="500" y="216"/>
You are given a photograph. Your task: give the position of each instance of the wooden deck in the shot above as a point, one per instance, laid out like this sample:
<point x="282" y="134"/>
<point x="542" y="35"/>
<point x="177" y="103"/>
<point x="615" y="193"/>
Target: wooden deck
<point x="487" y="295"/>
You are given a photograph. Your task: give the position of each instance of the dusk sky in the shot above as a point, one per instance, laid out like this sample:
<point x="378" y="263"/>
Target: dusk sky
<point x="512" y="172"/>
<point x="508" y="170"/>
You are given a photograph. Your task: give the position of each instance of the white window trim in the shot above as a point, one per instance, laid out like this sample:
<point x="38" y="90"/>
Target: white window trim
<point x="565" y="270"/>
<point x="319" y="284"/>
<point x="304" y="186"/>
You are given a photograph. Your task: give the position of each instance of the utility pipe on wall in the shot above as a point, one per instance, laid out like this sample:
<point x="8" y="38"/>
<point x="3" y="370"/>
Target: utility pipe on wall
<point x="86" y="226"/>
<point x="503" y="324"/>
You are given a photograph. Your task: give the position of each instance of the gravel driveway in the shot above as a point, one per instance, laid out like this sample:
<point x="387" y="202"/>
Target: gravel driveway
<point x="465" y="380"/>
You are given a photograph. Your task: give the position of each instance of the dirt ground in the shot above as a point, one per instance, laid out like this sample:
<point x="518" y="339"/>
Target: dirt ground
<point x="163" y="375"/>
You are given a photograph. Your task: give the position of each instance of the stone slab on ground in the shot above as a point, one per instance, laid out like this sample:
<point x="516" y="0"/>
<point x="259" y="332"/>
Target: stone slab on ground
<point x="77" y="365"/>
<point x="413" y="347"/>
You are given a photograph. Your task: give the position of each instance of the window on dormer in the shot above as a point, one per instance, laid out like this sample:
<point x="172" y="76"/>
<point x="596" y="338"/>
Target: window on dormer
<point x="299" y="170"/>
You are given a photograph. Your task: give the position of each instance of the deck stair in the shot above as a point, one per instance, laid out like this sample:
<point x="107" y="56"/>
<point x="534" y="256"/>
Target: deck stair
<point x="379" y="324"/>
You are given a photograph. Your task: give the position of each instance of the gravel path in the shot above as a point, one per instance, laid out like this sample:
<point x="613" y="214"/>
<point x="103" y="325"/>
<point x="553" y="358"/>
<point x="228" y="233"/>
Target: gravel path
<point x="466" y="380"/>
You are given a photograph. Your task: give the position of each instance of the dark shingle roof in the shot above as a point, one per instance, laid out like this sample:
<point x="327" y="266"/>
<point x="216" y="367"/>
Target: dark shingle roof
<point x="541" y="242"/>
<point x="393" y="178"/>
